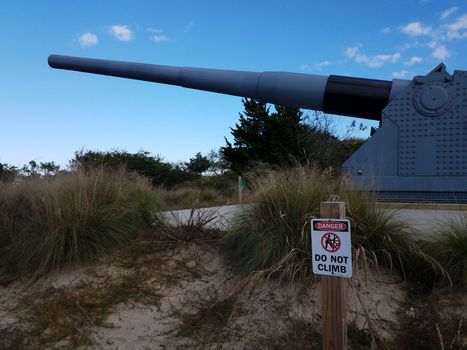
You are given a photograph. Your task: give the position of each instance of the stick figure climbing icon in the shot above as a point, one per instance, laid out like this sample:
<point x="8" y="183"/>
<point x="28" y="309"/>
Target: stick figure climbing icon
<point x="330" y="242"/>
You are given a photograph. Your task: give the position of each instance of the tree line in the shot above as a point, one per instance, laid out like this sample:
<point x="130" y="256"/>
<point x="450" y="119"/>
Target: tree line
<point x="276" y="136"/>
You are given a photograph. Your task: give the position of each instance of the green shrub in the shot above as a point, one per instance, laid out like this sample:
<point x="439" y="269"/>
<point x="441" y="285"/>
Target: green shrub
<point x="449" y="246"/>
<point x="273" y="235"/>
<point x="48" y="222"/>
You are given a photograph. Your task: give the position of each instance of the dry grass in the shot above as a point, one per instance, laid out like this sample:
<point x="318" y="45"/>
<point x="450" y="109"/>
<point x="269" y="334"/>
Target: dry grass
<point x="423" y="325"/>
<point x="68" y="316"/>
<point x="46" y="223"/>
<point x="209" y="320"/>
<point x="189" y="197"/>
<point x="273" y="237"/>
<point x="449" y="246"/>
<point x="200" y="224"/>
<point x="379" y="238"/>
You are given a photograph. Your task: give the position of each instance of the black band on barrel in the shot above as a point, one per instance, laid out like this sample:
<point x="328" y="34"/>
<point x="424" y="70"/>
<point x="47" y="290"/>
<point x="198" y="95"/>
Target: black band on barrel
<point x="364" y="98"/>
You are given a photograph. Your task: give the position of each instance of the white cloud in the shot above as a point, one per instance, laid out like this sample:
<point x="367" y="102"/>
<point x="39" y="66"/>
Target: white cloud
<point x="371" y="61"/>
<point x="448" y="12"/>
<point x="321" y="65"/>
<point x="401" y="74"/>
<point x="413" y="60"/>
<point x="416" y="29"/>
<point x="305" y="67"/>
<point x="88" y="39"/>
<point x="386" y="30"/>
<point x="351" y="51"/>
<point x="159" y="38"/>
<point x="189" y="26"/>
<point x="440" y="53"/>
<point x="121" y="32"/>
<point x="458" y="28"/>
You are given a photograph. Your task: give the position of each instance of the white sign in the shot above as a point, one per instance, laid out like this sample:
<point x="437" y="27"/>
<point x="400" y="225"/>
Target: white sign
<point x="331" y="247"/>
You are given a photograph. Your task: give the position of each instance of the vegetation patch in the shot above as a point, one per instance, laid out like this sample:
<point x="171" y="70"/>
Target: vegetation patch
<point x="272" y="238"/>
<point x="449" y="246"/>
<point x="272" y="234"/>
<point x="423" y="326"/>
<point x="198" y="225"/>
<point x="191" y="196"/>
<point x="67" y="316"/>
<point x="209" y="320"/>
<point x="46" y="223"/>
<point x="379" y="238"/>
<point x="299" y="334"/>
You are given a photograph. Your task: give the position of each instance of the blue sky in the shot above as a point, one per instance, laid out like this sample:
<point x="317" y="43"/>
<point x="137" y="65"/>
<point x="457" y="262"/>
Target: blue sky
<point x="48" y="114"/>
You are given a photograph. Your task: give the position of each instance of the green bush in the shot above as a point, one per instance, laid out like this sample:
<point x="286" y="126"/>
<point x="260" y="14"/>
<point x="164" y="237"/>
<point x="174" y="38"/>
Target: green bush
<point x="143" y="163"/>
<point x="449" y="246"/>
<point x="48" y="222"/>
<point x="273" y="235"/>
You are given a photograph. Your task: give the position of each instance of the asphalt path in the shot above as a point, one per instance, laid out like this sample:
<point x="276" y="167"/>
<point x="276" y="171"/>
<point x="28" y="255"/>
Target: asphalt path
<point x="423" y="219"/>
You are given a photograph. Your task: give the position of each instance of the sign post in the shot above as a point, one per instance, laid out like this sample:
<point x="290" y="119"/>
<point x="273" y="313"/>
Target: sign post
<point x="241" y="184"/>
<point x="332" y="258"/>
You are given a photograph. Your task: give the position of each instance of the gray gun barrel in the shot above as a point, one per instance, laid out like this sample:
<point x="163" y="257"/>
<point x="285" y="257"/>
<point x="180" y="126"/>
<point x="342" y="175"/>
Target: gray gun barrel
<point x="349" y="96"/>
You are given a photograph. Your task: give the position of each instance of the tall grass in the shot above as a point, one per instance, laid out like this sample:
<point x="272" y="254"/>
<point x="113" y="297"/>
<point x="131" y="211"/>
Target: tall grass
<point x="189" y="197"/>
<point x="449" y="246"/>
<point x="273" y="236"/>
<point x="46" y="223"/>
<point x="380" y="238"/>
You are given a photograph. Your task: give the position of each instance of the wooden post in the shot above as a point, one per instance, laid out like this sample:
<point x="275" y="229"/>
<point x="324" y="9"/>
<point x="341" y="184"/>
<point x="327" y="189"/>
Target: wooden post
<point x="334" y="293"/>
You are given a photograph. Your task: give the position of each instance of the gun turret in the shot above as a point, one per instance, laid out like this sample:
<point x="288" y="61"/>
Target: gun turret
<point x="417" y="154"/>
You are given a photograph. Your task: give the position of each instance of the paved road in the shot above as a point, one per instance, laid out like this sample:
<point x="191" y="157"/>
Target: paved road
<point x="425" y="220"/>
<point x="225" y="215"/>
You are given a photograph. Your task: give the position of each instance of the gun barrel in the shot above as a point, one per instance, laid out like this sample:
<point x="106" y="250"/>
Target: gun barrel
<point x="331" y="94"/>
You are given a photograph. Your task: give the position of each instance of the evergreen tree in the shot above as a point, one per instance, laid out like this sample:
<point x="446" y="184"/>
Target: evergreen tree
<point x="198" y="164"/>
<point x="280" y="138"/>
<point x="7" y="173"/>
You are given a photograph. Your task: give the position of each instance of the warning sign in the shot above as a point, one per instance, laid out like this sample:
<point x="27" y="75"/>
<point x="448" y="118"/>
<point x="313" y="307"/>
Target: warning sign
<point x="331" y="247"/>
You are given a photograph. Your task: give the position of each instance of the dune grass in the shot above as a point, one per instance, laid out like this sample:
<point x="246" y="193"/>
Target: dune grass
<point x="380" y="238"/>
<point x="190" y="196"/>
<point x="46" y="223"/>
<point x="273" y="236"/>
<point x="449" y="246"/>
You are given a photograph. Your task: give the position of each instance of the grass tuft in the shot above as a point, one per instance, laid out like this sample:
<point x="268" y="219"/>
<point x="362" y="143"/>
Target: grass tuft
<point x="272" y="235"/>
<point x="189" y="196"/>
<point x="46" y="223"/>
<point x="379" y="238"/>
<point x="195" y="225"/>
<point x="272" y="238"/>
<point x="449" y="246"/>
<point x="209" y="319"/>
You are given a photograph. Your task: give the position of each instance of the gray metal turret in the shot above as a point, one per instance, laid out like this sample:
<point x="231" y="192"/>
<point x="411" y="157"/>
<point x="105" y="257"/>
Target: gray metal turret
<point x="419" y="152"/>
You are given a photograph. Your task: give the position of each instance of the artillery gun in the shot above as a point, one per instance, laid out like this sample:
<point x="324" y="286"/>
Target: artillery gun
<point x="419" y="152"/>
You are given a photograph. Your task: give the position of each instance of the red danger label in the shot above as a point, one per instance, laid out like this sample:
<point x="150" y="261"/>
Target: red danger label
<point x="330" y="226"/>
